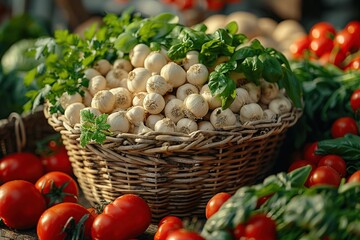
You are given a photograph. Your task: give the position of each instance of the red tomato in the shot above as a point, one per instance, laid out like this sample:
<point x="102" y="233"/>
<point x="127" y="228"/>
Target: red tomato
<point x="184" y="4"/>
<point x="301" y="163"/>
<point x="170" y="219"/>
<point x="346" y="41"/>
<point x="21" y="166"/>
<point x="354" y="64"/>
<point x="299" y="46"/>
<point x="324" y="175"/>
<point x="334" y="161"/>
<point x="353" y="27"/>
<point x="322" y="30"/>
<point x="320" y="46"/>
<point x="215" y="203"/>
<point x="58" y="187"/>
<point x="344" y="125"/>
<point x="355" y="177"/>
<point x="183" y="234"/>
<point x="215" y="5"/>
<point x="127" y="217"/>
<point x="262" y="200"/>
<point x="21" y="204"/>
<point x="260" y="227"/>
<point x="355" y="98"/>
<point x="239" y="231"/>
<point x="334" y="57"/>
<point x="309" y="153"/>
<point x="57" y="160"/>
<point x="166" y="228"/>
<point x="55" y="218"/>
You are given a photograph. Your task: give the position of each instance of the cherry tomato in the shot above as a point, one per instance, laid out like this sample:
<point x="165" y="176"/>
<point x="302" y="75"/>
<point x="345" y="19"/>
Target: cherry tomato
<point x="21" y="204"/>
<point x="322" y="30"/>
<point x="355" y="177"/>
<point x="215" y="5"/>
<point x="299" y="46"/>
<point x="21" y="166"/>
<point x="127" y="217"/>
<point x="324" y="175"/>
<point x="166" y="228"/>
<point x="355" y="99"/>
<point x="260" y="226"/>
<point x="53" y="221"/>
<point x="334" y="57"/>
<point x="309" y="153"/>
<point x="182" y="234"/>
<point x="354" y="64"/>
<point x="215" y="203"/>
<point x="346" y="41"/>
<point x="334" y="161"/>
<point x="57" y="160"/>
<point x="344" y="125"/>
<point x="184" y="4"/>
<point x="320" y="46"/>
<point x="239" y="231"/>
<point x="170" y="219"/>
<point x="58" y="187"/>
<point x="353" y="27"/>
<point x="301" y="163"/>
<point x="262" y="200"/>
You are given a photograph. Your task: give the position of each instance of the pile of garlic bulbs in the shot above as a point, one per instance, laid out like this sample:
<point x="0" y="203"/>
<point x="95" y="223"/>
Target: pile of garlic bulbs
<point x="149" y="92"/>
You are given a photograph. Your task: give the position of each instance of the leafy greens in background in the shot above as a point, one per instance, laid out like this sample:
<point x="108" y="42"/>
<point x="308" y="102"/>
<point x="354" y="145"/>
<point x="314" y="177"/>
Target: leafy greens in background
<point x="326" y="94"/>
<point x="299" y="212"/>
<point x="348" y="147"/>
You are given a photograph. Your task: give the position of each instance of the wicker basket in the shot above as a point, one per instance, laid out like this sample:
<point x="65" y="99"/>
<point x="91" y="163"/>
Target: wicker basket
<point x="176" y="174"/>
<point x="21" y="132"/>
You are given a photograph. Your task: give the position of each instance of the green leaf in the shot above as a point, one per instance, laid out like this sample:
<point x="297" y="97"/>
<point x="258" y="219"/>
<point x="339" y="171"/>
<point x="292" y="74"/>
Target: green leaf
<point x="166" y="18"/>
<point x="232" y="27"/>
<point x="125" y="42"/>
<point x="243" y="53"/>
<point x="90" y="32"/>
<point x="252" y="67"/>
<point x="272" y="70"/>
<point x="222" y="86"/>
<point x="292" y="86"/>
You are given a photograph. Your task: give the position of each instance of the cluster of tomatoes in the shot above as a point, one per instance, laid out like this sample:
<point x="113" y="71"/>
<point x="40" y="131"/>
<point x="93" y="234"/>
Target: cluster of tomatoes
<point x="39" y="191"/>
<point x="30" y="166"/>
<point x="211" y="5"/>
<point x="330" y="169"/>
<point x="325" y="44"/>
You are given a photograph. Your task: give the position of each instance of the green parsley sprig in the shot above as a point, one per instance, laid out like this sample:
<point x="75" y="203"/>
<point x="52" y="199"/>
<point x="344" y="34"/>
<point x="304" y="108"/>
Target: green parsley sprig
<point x="93" y="128"/>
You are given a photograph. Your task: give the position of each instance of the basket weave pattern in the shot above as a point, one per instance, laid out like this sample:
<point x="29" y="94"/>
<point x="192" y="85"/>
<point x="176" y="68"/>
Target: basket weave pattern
<point x="176" y="174"/>
<point x="21" y="132"/>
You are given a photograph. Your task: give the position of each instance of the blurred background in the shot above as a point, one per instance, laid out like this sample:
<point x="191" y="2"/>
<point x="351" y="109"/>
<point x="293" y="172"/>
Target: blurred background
<point x="23" y="21"/>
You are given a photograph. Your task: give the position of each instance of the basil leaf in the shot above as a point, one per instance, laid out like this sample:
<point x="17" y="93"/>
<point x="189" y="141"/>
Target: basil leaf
<point x="292" y="86"/>
<point x="232" y="27"/>
<point x="252" y="68"/>
<point x="222" y="86"/>
<point x="125" y="42"/>
<point x="272" y="71"/>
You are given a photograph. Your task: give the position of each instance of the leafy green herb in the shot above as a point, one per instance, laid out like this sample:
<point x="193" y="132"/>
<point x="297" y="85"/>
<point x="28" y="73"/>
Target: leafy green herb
<point x="326" y="93"/>
<point x="93" y="128"/>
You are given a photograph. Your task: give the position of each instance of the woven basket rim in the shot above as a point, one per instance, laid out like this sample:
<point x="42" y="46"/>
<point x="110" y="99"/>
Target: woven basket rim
<point x="156" y="141"/>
